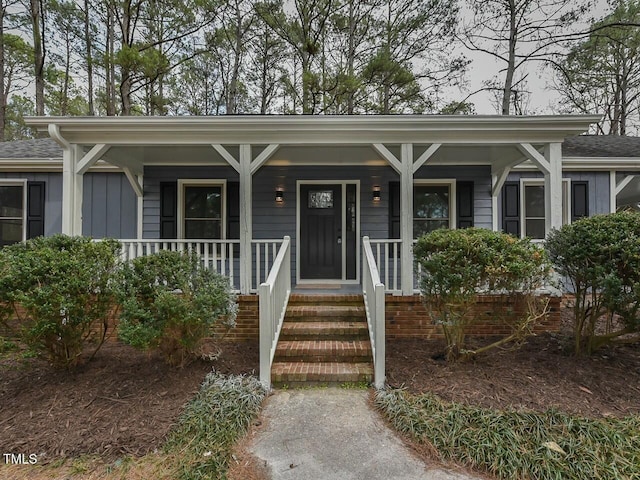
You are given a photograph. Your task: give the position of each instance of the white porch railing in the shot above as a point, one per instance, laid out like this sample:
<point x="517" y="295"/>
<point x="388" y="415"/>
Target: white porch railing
<point x="274" y="297"/>
<point x="387" y="254"/>
<point x="217" y="255"/>
<point x="374" y="302"/>
<point x="264" y="255"/>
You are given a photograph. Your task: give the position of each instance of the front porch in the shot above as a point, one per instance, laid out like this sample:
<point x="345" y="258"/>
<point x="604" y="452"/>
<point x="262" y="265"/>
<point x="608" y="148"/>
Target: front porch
<point x="276" y="203"/>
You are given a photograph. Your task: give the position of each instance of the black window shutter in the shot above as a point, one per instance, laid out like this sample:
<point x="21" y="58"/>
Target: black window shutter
<point x="35" y="209"/>
<point x="394" y="209"/>
<point x="579" y="200"/>
<point x="464" y="201"/>
<point x="168" y="209"/>
<point x="511" y="208"/>
<point x="233" y="214"/>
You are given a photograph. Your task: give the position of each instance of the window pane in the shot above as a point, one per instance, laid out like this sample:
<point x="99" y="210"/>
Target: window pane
<point x="10" y="232"/>
<point x="11" y="201"/>
<point x="535" y="228"/>
<point x="321" y="199"/>
<point x="431" y="201"/>
<point x="202" y="229"/>
<point x="534" y="201"/>
<point x="420" y="227"/>
<point x="202" y="202"/>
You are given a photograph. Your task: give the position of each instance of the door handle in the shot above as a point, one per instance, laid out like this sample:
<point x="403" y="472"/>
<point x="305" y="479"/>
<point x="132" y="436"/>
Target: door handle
<point x="339" y="240"/>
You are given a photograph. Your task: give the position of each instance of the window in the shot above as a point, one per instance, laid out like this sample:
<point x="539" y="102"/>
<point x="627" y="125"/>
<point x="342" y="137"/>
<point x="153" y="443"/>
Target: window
<point x="12" y="212"/>
<point x="433" y="206"/>
<point x="533" y="207"/>
<point x="201" y="207"/>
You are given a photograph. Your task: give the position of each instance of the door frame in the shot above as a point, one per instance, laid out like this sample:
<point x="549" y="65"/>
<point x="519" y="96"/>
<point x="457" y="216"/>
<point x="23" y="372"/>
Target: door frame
<point x="343" y="184"/>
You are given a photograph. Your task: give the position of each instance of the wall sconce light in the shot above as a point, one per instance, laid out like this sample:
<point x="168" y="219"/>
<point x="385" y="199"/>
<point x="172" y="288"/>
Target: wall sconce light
<point x="376" y="193"/>
<point x="279" y="195"/>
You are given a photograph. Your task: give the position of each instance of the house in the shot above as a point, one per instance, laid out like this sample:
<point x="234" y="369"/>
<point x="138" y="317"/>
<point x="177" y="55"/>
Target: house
<point x="234" y="187"/>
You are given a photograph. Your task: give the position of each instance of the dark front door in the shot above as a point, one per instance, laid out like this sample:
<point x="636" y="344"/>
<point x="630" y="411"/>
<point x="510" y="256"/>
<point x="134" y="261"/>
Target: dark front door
<point x="320" y="232"/>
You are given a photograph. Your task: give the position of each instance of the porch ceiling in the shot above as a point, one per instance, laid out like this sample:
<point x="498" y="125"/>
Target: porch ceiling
<point x="296" y="155"/>
<point x="315" y="130"/>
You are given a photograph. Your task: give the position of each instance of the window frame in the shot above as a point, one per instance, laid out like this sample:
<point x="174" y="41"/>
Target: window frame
<point x="183" y="183"/>
<point x="566" y="203"/>
<point x="438" y="182"/>
<point x="19" y="182"/>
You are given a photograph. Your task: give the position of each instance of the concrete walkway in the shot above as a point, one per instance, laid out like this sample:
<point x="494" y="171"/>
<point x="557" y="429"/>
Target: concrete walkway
<point x="333" y="434"/>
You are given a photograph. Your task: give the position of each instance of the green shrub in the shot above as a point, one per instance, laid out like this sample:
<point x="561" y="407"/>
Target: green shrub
<point x="169" y="302"/>
<point x="457" y="265"/>
<point x="64" y="286"/>
<point x="600" y="257"/>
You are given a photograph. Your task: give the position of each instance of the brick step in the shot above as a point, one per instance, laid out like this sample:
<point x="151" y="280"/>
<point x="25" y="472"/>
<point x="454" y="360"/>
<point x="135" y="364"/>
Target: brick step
<point x="323" y="351"/>
<point x="324" y="331"/>
<point x="328" y="313"/>
<point x="301" y="373"/>
<point x="328" y="299"/>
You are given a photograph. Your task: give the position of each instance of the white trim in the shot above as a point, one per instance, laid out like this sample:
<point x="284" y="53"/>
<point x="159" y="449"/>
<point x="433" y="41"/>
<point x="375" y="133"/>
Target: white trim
<point x="140" y="211"/>
<point x="18" y="182"/>
<point x="426" y="155"/>
<point x="343" y="184"/>
<point x="185" y="182"/>
<point x="537" y="181"/>
<point x="451" y="182"/>
<point x="613" y="197"/>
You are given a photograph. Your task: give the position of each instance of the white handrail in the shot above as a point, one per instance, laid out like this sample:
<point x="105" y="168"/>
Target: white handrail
<point x="374" y="302"/>
<point x="264" y="254"/>
<point x="386" y="253"/>
<point x="274" y="297"/>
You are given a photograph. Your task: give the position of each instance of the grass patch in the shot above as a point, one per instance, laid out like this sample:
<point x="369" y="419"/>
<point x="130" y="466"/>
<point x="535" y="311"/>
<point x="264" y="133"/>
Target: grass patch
<point x="212" y="422"/>
<point x="518" y="444"/>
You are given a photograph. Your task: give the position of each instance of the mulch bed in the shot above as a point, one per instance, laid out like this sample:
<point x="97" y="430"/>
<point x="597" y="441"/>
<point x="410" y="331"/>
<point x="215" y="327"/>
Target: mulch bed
<point x="541" y="374"/>
<point x="125" y="402"/>
<point x="122" y="402"/>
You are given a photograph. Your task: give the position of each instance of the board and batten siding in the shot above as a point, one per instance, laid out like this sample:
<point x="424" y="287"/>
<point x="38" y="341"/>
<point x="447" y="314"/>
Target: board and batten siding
<point x="108" y="206"/>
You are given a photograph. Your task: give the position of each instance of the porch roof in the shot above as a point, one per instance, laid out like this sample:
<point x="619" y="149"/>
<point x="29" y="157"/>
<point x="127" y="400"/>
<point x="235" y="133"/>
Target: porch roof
<point x="315" y="130"/>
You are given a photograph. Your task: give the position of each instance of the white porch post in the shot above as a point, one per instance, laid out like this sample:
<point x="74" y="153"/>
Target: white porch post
<point x="553" y="186"/>
<point x="246" y="221"/>
<point x="71" y="192"/>
<point x="406" y="216"/>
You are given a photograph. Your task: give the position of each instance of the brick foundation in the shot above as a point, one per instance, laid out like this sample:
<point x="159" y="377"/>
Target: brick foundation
<point x="406" y="317"/>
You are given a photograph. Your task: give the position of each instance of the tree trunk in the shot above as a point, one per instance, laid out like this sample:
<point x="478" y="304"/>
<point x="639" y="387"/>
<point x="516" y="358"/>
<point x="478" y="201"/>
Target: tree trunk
<point x="109" y="67"/>
<point x="3" y="92"/>
<point x="511" y="64"/>
<point x="87" y="39"/>
<point x="37" y="25"/>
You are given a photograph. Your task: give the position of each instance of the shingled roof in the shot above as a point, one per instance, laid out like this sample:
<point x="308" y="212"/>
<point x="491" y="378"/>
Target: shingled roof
<point x="40" y="148"/>
<point x="608" y="146"/>
<point x="592" y="146"/>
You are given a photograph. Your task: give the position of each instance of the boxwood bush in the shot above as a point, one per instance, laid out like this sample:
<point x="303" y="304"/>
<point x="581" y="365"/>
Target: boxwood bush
<point x="170" y="303"/>
<point x="600" y="257"/>
<point x="61" y="289"/>
<point x="457" y="265"/>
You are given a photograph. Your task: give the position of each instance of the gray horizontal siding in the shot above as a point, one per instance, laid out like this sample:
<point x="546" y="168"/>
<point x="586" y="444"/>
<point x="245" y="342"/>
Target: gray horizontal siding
<point x="481" y="178"/>
<point x="53" y="197"/>
<point x="599" y="189"/>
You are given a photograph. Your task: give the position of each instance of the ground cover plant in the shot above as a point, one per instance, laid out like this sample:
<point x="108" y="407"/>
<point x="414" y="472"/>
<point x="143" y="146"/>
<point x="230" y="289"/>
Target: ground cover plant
<point x="61" y="291"/>
<point x="600" y="258"/>
<point x="518" y="444"/>
<point x="171" y="303"/>
<point x="456" y="265"/>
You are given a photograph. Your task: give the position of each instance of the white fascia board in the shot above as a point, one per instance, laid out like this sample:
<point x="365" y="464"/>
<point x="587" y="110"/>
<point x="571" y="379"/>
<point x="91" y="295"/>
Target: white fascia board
<point x="47" y="165"/>
<point x="321" y="129"/>
<point x="591" y="164"/>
